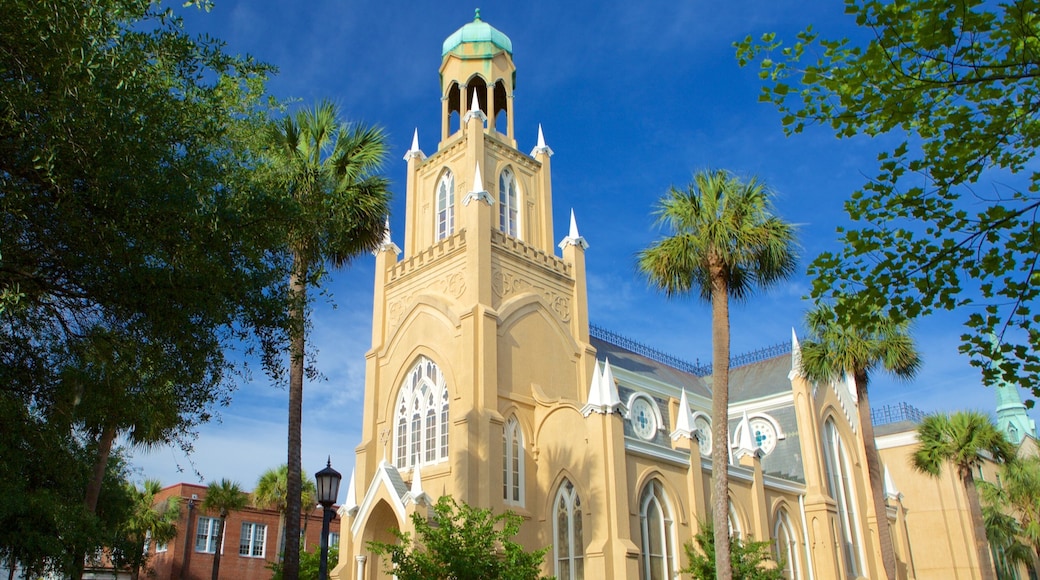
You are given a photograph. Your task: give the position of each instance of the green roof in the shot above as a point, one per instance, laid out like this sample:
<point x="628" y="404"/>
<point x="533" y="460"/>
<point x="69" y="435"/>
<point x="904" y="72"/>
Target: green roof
<point x="478" y="31"/>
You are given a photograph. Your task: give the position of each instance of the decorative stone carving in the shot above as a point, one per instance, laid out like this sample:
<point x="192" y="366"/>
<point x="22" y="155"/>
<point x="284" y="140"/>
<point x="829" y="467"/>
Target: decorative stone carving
<point x="452" y="285"/>
<point x="505" y="284"/>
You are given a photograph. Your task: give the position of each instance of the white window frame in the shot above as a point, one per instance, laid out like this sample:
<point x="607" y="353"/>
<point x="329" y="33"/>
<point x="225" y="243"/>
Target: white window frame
<point x="508" y="203"/>
<point x="513" y="462"/>
<point x="782" y="528"/>
<point x="445" y="218"/>
<point x="250" y="540"/>
<point x="424" y="394"/>
<point x="209" y="538"/>
<point x="569" y="566"/>
<point x="841" y="488"/>
<point x="653" y="501"/>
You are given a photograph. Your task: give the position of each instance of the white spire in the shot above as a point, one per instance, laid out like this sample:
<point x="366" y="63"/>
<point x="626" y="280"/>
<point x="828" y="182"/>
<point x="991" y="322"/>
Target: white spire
<point x="574" y="238"/>
<point x="796" y="356"/>
<point x="478" y="192"/>
<point x="415" y="151"/>
<point x="744" y="444"/>
<point x="416" y="494"/>
<point x="541" y="147"/>
<point x="388" y="244"/>
<point x="603" y="395"/>
<point x="890" y="486"/>
<point x="474" y="109"/>
<point x="684" y="420"/>
<point x="416" y="482"/>
<point x="349" y="507"/>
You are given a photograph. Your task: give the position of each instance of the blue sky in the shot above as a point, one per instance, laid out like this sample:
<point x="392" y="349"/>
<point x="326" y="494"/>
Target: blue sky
<point x="633" y="97"/>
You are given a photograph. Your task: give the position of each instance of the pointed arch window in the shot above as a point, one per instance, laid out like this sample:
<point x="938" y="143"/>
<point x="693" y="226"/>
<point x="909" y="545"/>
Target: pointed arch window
<point x="784" y="545"/>
<point x="513" y="462"/>
<point x="508" y="208"/>
<point x="657" y="528"/>
<point x="421" y="417"/>
<point x="569" y="547"/>
<point x="840" y="488"/>
<point x="446" y="205"/>
<point x="735" y="529"/>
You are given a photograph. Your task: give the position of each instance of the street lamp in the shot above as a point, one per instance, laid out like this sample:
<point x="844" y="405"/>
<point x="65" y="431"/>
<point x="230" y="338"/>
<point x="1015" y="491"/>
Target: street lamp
<point x="328" y="489"/>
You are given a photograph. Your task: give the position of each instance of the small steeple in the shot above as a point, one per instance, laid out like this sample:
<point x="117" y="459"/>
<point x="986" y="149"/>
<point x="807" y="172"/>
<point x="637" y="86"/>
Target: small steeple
<point x="387" y="244"/>
<point x="574" y="238"/>
<point x="796" y="356"/>
<point x="1012" y="418"/>
<point x="474" y="109"/>
<point x="744" y="444"/>
<point x="415" y="151"/>
<point x="684" y="420"/>
<point x="416" y="494"/>
<point x="541" y="147"/>
<point x="890" y="486"/>
<point x="603" y="394"/>
<point x="478" y="192"/>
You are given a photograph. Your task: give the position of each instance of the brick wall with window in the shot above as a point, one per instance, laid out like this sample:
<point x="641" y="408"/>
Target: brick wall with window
<point x="251" y="539"/>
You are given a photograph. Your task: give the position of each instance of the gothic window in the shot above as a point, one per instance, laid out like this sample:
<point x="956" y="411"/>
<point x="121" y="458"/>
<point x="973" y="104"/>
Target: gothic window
<point x="658" y="534"/>
<point x="735" y="529"/>
<point x="569" y="548"/>
<point x="421" y="417"/>
<point x="446" y="205"/>
<point x="513" y="462"/>
<point x="703" y="425"/>
<point x="839" y="486"/>
<point x="508" y="204"/>
<point x="784" y="545"/>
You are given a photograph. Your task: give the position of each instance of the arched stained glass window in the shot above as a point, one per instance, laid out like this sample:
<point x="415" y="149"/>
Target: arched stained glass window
<point x="839" y="486"/>
<point x="508" y="200"/>
<point x="446" y="206"/>
<point x="569" y="547"/>
<point x="784" y="544"/>
<point x="513" y="462"/>
<point x="422" y="417"/>
<point x="658" y="534"/>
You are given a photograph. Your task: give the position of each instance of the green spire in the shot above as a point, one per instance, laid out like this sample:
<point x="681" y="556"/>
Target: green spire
<point x="1011" y="412"/>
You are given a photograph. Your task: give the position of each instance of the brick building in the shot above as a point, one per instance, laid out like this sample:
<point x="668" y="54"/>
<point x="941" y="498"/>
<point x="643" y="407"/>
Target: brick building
<point x="251" y="539"/>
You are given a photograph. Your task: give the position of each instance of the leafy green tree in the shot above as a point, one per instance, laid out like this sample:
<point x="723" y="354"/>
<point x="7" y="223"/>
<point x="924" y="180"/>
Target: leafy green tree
<point x="134" y="248"/>
<point x="948" y="220"/>
<point x="836" y="348"/>
<point x="337" y="203"/>
<point x="1004" y="535"/>
<point x="460" y="542"/>
<point x="959" y="441"/>
<point x="223" y="498"/>
<point x="150" y="521"/>
<point x="271" y="493"/>
<point x="724" y="242"/>
<point x="749" y="560"/>
<point x="309" y="563"/>
<point x="1017" y="495"/>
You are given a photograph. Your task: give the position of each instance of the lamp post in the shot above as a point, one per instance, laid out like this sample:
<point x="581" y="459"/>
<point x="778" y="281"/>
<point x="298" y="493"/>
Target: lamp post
<point x="328" y="489"/>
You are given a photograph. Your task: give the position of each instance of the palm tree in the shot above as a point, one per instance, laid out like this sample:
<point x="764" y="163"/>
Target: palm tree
<point x="837" y="347"/>
<point x="1018" y="493"/>
<point x="338" y="204"/>
<point x="149" y="520"/>
<point x="961" y="438"/>
<point x="724" y="242"/>
<point x="271" y="493"/>
<point x="223" y="497"/>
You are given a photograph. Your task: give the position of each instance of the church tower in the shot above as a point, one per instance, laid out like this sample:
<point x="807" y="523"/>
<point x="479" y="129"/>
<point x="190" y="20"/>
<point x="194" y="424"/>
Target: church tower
<point x="480" y="356"/>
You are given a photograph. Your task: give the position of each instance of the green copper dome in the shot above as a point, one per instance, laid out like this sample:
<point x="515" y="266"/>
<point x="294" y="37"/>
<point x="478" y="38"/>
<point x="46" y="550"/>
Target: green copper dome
<point x="478" y="31"/>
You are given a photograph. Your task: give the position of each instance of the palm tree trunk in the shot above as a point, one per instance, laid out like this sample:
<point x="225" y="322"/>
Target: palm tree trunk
<point x="720" y="423"/>
<point x="978" y="524"/>
<point x="877" y="486"/>
<point x="220" y="547"/>
<point x="297" y="322"/>
<point x="108" y="435"/>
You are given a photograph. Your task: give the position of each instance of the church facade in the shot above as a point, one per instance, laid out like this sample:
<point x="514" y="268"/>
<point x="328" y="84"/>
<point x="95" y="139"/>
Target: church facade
<point x="486" y="382"/>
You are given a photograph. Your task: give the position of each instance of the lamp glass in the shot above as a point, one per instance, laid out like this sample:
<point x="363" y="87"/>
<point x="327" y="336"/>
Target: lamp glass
<point x="327" y="481"/>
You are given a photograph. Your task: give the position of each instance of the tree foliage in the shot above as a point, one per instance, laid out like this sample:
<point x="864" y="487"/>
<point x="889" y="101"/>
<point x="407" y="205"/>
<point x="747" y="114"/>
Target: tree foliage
<point x="336" y="201"/>
<point x="724" y="242"/>
<point x="150" y="521"/>
<point x="134" y="249"/>
<point x="460" y="542"/>
<point x="223" y="497"/>
<point x="1012" y="504"/>
<point x="749" y="560"/>
<point x="962" y="441"/>
<point x="837" y="348"/>
<point x="309" y="564"/>
<point x="949" y="219"/>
